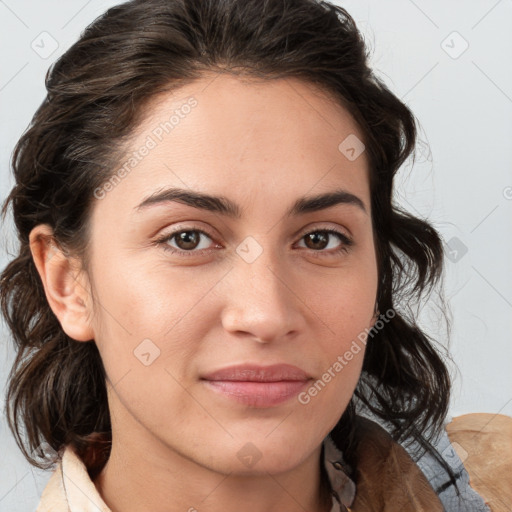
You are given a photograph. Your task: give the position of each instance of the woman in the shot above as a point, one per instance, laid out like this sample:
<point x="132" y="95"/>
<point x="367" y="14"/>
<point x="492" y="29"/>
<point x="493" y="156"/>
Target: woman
<point x="209" y="298"/>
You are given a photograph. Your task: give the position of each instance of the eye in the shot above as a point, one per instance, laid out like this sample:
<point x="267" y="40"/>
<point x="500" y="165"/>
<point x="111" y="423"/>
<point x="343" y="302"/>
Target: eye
<point x="188" y="241"/>
<point x="320" y="239"/>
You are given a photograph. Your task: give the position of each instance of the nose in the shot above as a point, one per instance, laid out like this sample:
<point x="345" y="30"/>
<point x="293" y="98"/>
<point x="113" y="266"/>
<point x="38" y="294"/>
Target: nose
<point x="260" y="301"/>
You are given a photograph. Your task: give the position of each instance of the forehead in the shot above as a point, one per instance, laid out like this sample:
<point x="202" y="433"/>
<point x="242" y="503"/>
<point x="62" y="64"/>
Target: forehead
<point x="221" y="105"/>
<point x="221" y="131"/>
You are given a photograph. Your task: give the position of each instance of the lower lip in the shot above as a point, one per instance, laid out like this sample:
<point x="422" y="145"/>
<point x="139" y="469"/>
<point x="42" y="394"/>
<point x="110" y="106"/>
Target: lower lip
<point x="258" y="394"/>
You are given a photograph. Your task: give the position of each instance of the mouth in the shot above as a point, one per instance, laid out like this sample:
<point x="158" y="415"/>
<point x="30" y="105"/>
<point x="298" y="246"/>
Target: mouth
<point x="258" y="386"/>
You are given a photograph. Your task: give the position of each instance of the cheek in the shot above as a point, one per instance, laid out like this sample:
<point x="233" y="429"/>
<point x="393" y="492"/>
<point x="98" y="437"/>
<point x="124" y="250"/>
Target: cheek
<point x="151" y="323"/>
<point x="345" y="303"/>
<point x="345" y="309"/>
<point x="155" y="301"/>
<point x="147" y="341"/>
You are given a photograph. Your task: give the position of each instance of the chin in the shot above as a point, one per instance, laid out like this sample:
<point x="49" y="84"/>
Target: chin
<point x="258" y="457"/>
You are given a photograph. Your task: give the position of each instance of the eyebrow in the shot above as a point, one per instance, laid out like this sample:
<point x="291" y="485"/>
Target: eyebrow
<point x="222" y="205"/>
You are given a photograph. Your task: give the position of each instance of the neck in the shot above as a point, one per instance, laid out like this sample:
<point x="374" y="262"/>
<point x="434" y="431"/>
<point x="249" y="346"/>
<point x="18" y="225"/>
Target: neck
<point x="164" y="481"/>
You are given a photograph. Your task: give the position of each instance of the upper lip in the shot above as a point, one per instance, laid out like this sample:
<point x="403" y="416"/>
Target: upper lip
<point x="256" y="373"/>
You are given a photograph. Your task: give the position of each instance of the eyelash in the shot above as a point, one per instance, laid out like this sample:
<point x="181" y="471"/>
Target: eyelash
<point x="344" y="248"/>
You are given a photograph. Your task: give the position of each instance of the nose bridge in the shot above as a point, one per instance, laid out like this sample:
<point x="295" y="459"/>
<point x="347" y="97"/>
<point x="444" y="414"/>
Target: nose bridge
<point x="259" y="300"/>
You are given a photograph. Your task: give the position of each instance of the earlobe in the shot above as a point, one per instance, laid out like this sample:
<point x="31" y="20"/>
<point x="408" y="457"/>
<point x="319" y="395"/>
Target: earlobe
<point x="66" y="286"/>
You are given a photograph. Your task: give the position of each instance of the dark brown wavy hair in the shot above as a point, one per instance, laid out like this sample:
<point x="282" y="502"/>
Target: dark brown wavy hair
<point x="96" y="93"/>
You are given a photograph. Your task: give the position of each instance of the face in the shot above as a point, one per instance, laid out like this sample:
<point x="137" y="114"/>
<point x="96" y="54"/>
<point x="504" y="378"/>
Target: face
<point x="261" y="276"/>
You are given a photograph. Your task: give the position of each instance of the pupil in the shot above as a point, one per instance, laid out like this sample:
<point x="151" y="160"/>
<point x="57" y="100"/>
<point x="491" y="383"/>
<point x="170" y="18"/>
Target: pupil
<point x="186" y="237"/>
<point x="318" y="236"/>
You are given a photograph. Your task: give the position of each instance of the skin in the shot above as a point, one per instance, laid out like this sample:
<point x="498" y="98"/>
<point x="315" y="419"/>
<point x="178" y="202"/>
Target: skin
<point x="262" y="145"/>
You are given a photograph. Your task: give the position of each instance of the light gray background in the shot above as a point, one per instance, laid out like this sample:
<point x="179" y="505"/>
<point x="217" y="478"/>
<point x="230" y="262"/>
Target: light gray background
<point x="462" y="183"/>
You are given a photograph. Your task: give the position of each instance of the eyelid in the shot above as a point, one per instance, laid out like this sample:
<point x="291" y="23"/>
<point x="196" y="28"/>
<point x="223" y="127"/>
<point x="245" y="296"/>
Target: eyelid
<point x="180" y="227"/>
<point x="311" y="228"/>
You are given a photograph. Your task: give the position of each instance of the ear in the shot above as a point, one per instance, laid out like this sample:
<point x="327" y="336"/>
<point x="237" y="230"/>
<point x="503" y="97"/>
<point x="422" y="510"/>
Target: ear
<point x="65" y="285"/>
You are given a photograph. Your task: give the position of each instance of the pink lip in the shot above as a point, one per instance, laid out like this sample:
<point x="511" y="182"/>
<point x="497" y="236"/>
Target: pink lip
<point x="258" y="386"/>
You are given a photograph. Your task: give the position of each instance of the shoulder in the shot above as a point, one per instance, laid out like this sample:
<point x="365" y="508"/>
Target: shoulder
<point x="484" y="444"/>
<point x="387" y="478"/>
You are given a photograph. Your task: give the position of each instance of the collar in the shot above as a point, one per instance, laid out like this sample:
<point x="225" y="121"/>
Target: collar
<point x="343" y="489"/>
<point x="70" y="488"/>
